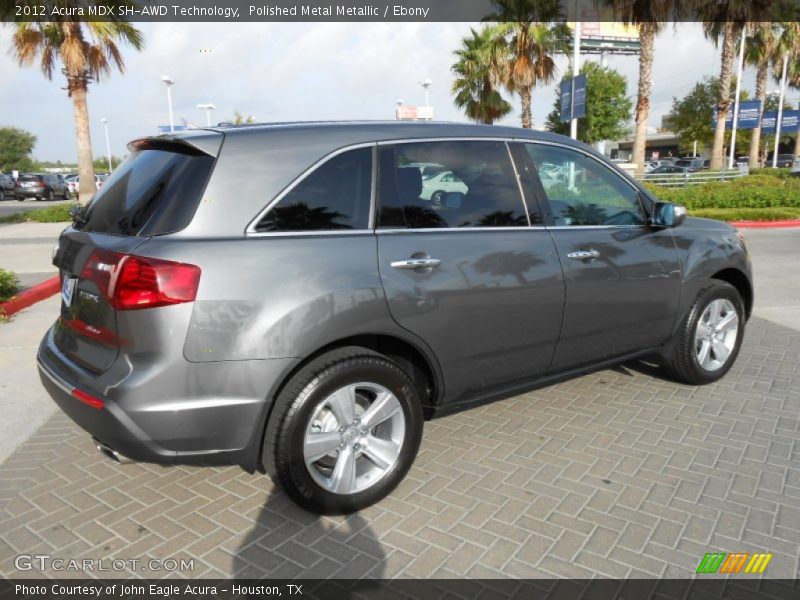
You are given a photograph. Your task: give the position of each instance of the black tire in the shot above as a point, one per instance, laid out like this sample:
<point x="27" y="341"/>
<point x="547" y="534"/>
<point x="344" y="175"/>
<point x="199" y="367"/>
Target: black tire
<point x="51" y="195"/>
<point x="282" y="452"/>
<point x="20" y="198"/>
<point x="66" y="193"/>
<point x="680" y="356"/>
<point x="2" y="195"/>
<point x="437" y="196"/>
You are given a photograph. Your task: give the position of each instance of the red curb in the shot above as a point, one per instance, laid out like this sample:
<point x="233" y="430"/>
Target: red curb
<point x="765" y="224"/>
<point x="30" y="296"/>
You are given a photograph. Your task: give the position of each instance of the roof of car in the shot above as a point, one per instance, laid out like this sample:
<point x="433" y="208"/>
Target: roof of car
<point x="377" y="130"/>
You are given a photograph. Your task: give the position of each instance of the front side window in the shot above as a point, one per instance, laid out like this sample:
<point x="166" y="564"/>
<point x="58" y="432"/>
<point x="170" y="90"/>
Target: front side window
<point x="448" y="184"/>
<point x="582" y="191"/>
<point x="336" y="196"/>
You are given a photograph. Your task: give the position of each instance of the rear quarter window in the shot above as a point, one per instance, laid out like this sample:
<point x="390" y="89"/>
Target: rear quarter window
<point x="154" y="191"/>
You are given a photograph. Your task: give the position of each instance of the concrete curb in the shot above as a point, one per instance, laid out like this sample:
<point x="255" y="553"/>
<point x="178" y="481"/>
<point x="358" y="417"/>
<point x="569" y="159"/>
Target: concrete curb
<point x="30" y="296"/>
<point x="765" y="224"/>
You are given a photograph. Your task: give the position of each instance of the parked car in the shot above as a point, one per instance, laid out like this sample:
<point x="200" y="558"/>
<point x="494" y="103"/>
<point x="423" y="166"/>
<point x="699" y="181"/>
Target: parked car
<point x="6" y="186"/>
<point x="41" y="186"/>
<point x="691" y="162"/>
<point x="784" y="160"/>
<point x="73" y="182"/>
<point x="796" y="166"/>
<point x="671" y="170"/>
<point x="308" y="325"/>
<point x="436" y="186"/>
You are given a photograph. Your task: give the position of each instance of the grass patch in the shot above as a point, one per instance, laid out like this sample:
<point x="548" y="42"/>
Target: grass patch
<point x="52" y="214"/>
<point x="9" y="285"/>
<point x="786" y="213"/>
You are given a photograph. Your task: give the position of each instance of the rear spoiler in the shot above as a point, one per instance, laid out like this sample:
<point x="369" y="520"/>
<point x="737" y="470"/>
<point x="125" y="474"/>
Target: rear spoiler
<point x="195" y="142"/>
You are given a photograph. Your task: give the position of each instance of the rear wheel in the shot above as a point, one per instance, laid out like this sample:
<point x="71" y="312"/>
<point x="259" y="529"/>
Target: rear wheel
<point x="66" y="193"/>
<point x="51" y="195"/>
<point x="344" y="431"/>
<point x="437" y="196"/>
<point x="710" y="336"/>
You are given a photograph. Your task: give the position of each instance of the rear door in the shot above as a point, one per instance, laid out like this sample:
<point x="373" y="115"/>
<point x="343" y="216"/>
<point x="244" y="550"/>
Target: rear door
<point x="466" y="273"/>
<point x="623" y="278"/>
<point x="153" y="192"/>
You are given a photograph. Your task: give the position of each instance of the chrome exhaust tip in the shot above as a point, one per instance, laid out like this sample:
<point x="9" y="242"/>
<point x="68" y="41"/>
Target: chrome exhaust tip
<point x="110" y="453"/>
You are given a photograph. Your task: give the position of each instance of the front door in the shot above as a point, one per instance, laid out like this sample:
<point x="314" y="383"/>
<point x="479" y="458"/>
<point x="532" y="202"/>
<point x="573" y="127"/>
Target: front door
<point x="623" y="278"/>
<point x="463" y="270"/>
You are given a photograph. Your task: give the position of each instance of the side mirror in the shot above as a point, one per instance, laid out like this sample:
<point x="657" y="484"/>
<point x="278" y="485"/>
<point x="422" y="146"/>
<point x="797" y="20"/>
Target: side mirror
<point x="75" y="213"/>
<point x="666" y="214"/>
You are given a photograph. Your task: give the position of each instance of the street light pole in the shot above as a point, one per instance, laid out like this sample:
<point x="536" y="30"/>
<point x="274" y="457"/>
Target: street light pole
<point x="208" y="108"/>
<point x="168" y="82"/>
<point x="104" y="121"/>
<point x="576" y="58"/>
<point x="427" y="84"/>
<point x="780" y="110"/>
<point x="736" y="98"/>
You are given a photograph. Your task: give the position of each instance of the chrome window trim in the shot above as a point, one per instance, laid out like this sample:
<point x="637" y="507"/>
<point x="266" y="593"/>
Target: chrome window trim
<point x="399" y="230"/>
<point x="311" y="232"/>
<point x="444" y="139"/>
<point x="250" y="230"/>
<point x="519" y="184"/>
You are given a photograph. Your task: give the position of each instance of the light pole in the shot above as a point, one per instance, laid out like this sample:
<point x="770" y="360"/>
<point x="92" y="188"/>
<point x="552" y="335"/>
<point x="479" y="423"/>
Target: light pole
<point x="168" y="82"/>
<point x="426" y="83"/>
<point x="104" y="121"/>
<point x="208" y="108"/>
<point x="780" y="110"/>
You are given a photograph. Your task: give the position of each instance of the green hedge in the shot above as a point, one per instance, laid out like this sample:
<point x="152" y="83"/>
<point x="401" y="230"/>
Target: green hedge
<point x="748" y="214"/>
<point x="753" y="191"/>
<point x="9" y="284"/>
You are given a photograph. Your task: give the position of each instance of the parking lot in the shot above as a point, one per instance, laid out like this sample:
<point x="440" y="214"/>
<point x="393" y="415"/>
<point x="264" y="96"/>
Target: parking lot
<point x="620" y="473"/>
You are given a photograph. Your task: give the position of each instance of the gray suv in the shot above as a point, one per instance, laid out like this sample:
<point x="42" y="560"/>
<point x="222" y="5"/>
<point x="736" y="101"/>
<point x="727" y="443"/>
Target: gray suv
<point x="291" y="298"/>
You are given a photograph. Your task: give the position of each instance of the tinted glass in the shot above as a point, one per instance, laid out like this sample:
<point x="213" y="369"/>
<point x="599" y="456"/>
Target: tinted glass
<point x="335" y="196"/>
<point x="472" y="185"/>
<point x="153" y="191"/>
<point x="24" y="178"/>
<point x="582" y="191"/>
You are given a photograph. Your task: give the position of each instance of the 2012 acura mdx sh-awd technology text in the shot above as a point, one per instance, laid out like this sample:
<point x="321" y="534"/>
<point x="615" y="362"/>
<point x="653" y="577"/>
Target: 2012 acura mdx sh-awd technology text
<point x="293" y="298"/>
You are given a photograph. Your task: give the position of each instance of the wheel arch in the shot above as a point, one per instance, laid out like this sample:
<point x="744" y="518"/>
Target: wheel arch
<point x="739" y="280"/>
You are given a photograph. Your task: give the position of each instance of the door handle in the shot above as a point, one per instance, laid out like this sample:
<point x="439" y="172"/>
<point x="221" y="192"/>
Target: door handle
<point x="416" y="263"/>
<point x="584" y="254"/>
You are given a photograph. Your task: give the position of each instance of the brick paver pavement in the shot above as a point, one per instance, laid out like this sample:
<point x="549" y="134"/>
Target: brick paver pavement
<point x="615" y="474"/>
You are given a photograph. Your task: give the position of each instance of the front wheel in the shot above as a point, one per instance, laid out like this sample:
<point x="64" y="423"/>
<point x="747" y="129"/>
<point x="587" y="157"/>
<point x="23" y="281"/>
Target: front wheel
<point x="710" y="336"/>
<point x="344" y="431"/>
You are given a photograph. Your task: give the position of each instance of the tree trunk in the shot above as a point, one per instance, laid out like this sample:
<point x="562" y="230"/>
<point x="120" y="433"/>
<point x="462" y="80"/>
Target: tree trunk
<point x="525" y="100"/>
<point x="723" y="102"/>
<point x="86" y="186"/>
<point x="797" y="144"/>
<point x="761" y="94"/>
<point x="647" y="34"/>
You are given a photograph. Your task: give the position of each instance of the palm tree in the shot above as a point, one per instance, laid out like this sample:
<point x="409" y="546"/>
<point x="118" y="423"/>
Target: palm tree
<point x="650" y="18"/>
<point x="87" y="51"/>
<point x="789" y="44"/>
<point x="723" y="21"/>
<point x="474" y="88"/>
<point x="532" y="37"/>
<point x="760" y="51"/>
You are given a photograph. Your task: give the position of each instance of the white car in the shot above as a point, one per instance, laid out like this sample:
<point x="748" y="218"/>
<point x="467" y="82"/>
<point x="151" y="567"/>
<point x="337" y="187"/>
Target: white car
<point x="436" y="186"/>
<point x="72" y="182"/>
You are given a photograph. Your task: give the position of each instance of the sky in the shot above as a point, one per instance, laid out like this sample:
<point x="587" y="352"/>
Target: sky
<point x="296" y="71"/>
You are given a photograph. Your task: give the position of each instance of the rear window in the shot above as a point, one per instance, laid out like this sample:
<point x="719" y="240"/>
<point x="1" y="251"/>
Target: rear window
<point x="154" y="191"/>
<point x="23" y="178"/>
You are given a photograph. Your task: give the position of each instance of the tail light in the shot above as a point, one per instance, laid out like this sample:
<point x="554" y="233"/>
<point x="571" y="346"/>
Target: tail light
<point x="133" y="282"/>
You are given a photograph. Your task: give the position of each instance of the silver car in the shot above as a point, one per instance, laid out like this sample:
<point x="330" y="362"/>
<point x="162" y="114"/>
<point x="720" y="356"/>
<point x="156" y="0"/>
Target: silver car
<point x="283" y="297"/>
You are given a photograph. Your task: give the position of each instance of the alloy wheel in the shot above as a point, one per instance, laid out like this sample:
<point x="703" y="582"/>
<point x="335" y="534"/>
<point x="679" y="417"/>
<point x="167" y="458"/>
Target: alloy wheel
<point x="716" y="334"/>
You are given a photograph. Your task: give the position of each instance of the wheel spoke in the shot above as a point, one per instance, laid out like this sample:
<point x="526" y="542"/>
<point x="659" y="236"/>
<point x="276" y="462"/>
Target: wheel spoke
<point x="714" y="310"/>
<point x="319" y="444"/>
<point x="720" y="351"/>
<point x="343" y="477"/>
<point x="705" y="349"/>
<point x="702" y="330"/>
<point x="728" y="322"/>
<point x="343" y="405"/>
<point x="384" y="407"/>
<point x="383" y="453"/>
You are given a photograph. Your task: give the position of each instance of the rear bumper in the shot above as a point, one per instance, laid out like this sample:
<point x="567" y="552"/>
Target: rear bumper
<point x="29" y="192"/>
<point x="181" y="412"/>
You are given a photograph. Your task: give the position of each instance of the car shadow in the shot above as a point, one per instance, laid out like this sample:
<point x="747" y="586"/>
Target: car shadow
<point x="287" y="542"/>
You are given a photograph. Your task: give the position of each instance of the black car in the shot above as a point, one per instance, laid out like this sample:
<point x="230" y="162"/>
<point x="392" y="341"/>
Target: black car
<point x="36" y="185"/>
<point x="784" y="161"/>
<point x="6" y="186"/>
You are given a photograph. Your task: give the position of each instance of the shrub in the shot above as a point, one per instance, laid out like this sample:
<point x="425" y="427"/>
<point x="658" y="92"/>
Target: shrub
<point x="51" y="214"/>
<point x="9" y="284"/>
<point x="748" y="214"/>
<point x="753" y="191"/>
